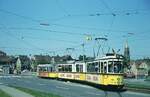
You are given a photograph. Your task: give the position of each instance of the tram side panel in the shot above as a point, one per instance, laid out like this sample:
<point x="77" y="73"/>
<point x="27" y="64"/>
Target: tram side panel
<point x="80" y="76"/>
<point x="93" y="78"/>
<point x="43" y="74"/>
<point x="53" y="74"/>
<point x="72" y="76"/>
<point x="66" y="76"/>
<point x="111" y="79"/>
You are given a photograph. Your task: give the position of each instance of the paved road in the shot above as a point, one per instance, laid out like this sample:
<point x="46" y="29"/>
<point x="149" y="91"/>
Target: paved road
<point x="65" y="89"/>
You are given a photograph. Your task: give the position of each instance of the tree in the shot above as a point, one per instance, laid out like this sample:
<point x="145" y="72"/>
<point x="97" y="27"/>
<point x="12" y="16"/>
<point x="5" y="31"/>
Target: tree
<point x="18" y="65"/>
<point x="81" y="57"/>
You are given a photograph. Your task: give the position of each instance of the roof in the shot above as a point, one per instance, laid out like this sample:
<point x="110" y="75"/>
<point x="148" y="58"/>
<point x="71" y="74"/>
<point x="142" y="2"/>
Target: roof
<point x="45" y="65"/>
<point x="2" y="53"/>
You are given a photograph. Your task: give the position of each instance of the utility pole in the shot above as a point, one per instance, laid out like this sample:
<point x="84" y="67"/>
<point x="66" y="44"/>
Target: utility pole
<point x="69" y="51"/>
<point x="83" y="51"/>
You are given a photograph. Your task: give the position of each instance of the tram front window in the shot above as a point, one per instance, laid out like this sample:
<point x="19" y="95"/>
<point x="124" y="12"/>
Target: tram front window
<point x="118" y="67"/>
<point x="110" y="66"/>
<point x="115" y="67"/>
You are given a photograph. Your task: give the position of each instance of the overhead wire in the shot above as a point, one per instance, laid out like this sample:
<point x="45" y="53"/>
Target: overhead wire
<point x="27" y="43"/>
<point x="60" y="40"/>
<point x="39" y="21"/>
<point x="33" y="46"/>
<point x="40" y="29"/>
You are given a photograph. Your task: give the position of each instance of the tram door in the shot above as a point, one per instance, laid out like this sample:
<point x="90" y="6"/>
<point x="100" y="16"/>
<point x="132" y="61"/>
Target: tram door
<point x="103" y="70"/>
<point x="103" y="67"/>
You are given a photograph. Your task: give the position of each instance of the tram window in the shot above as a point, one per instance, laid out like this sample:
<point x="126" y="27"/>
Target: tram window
<point x="66" y="68"/>
<point x="79" y="68"/>
<point x="110" y="66"/>
<point x="69" y="68"/>
<point x="51" y="69"/>
<point x="59" y="68"/>
<point x="96" y="66"/>
<point x="44" y="68"/>
<point x="93" y="67"/>
<point x="48" y="69"/>
<point x="101" y="67"/>
<point x="90" y="67"/>
<point x="63" y="68"/>
<point x="105" y="67"/>
<point x="39" y="69"/>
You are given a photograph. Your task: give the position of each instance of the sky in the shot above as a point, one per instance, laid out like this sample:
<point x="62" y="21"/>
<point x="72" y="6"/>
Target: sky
<point x="51" y="26"/>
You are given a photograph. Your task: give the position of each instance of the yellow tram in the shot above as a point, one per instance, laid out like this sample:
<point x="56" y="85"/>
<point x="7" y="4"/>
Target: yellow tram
<point x="106" y="71"/>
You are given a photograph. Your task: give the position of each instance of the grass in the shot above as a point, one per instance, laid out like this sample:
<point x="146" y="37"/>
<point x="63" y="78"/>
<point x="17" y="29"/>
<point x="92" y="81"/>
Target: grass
<point x="148" y="78"/>
<point x="35" y="93"/>
<point x="3" y="94"/>
<point x="137" y="86"/>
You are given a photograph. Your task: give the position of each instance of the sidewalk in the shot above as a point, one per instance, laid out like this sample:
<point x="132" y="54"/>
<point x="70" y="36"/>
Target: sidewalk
<point x="14" y="92"/>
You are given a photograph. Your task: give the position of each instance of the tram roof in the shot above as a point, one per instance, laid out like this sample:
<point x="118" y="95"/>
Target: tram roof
<point x="110" y="56"/>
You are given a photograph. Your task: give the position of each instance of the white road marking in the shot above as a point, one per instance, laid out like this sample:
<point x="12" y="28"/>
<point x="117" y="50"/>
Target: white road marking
<point x="93" y="93"/>
<point x="41" y="84"/>
<point x="1" y="83"/>
<point x="59" y="87"/>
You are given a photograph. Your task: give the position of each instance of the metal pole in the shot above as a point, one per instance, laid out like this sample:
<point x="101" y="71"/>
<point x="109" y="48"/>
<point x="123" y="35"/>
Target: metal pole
<point x="83" y="52"/>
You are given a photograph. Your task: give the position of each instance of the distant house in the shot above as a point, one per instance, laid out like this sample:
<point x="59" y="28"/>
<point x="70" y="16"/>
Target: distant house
<point x="143" y="69"/>
<point x="140" y="69"/>
<point x="6" y="63"/>
<point x="2" y="53"/>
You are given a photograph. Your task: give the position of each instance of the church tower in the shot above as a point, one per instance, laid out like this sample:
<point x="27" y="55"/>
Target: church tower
<point x="127" y="55"/>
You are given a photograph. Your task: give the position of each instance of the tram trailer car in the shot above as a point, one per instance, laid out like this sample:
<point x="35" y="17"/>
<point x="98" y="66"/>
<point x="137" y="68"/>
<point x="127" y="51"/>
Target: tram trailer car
<point x="104" y="72"/>
<point x="47" y="71"/>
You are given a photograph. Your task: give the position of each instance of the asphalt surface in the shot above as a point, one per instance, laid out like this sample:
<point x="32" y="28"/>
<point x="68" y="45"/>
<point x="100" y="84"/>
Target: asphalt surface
<point x="64" y="89"/>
